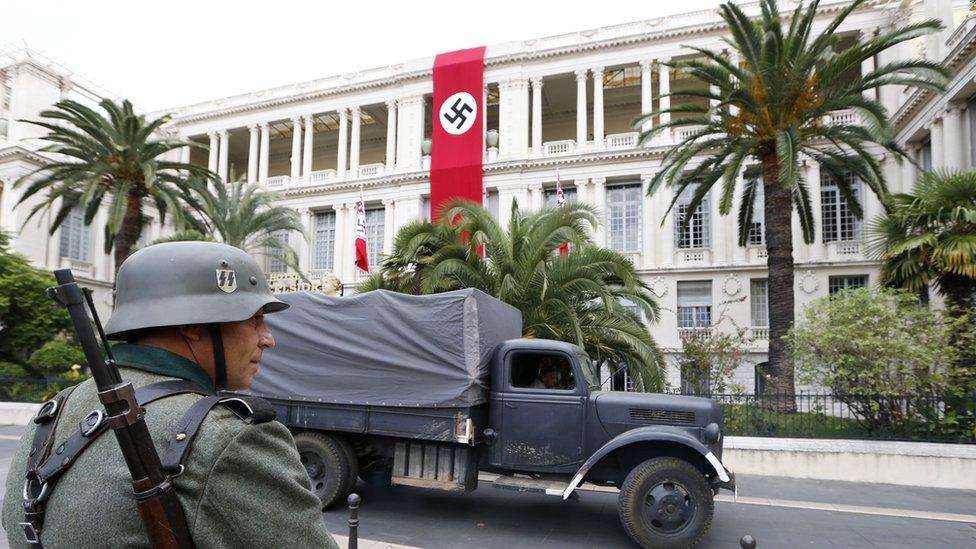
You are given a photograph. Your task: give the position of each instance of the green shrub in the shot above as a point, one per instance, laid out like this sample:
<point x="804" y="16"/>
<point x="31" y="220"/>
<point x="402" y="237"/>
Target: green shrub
<point x="10" y="369"/>
<point x="55" y="358"/>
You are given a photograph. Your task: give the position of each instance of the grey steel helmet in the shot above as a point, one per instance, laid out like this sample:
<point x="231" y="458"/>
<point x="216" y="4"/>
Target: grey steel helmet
<point x="179" y="283"/>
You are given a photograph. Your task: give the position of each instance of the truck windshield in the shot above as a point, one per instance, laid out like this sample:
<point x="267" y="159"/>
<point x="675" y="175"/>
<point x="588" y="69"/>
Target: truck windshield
<point x="589" y="371"/>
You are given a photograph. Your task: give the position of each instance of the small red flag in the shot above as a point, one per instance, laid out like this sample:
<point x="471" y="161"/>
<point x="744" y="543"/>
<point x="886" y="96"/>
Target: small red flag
<point x="561" y="203"/>
<point x="362" y="257"/>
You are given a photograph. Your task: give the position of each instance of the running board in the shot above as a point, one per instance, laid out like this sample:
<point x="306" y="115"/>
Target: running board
<point x="526" y="484"/>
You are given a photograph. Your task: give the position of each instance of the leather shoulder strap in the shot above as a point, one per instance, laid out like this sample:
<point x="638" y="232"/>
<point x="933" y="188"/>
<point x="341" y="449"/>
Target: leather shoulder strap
<point x="252" y="410"/>
<point x="93" y="425"/>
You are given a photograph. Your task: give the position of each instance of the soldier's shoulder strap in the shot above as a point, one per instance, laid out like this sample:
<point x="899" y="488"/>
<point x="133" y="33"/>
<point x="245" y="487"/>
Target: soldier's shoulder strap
<point x="253" y="410"/>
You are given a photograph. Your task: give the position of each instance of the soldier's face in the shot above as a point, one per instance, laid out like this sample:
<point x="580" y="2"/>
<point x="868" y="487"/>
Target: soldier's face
<point x="244" y="342"/>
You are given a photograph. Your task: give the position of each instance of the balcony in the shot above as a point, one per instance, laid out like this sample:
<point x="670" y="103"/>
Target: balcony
<point x="684" y="132"/>
<point x="844" y="117"/>
<point x="558" y="148"/>
<point x="687" y="333"/>
<point x="693" y="257"/>
<point x="321" y="176"/>
<point x="278" y="181"/>
<point x="619" y="141"/>
<point x="845" y="249"/>
<point x="371" y="170"/>
<point x="757" y="254"/>
<point x="956" y="37"/>
<point x="759" y="333"/>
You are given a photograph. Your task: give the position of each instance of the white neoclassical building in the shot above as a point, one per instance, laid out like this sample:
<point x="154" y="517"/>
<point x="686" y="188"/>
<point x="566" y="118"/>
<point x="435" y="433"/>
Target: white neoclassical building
<point x="560" y="104"/>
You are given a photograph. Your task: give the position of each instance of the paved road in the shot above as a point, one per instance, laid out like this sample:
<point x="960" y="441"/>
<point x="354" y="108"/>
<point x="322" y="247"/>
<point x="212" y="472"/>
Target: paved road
<point x="779" y="512"/>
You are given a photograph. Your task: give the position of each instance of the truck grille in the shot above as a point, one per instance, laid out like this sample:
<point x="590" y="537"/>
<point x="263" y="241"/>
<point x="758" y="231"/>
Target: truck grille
<point x="671" y="417"/>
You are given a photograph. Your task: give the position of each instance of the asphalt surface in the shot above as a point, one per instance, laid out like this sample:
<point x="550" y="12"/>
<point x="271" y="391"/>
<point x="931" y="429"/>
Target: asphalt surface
<point x="778" y="512"/>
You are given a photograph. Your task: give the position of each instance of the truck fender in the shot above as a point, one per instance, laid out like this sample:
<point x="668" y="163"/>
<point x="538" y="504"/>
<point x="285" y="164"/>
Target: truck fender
<point x="660" y="433"/>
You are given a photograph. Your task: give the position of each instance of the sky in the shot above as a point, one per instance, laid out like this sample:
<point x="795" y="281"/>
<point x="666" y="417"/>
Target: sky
<point x="179" y="52"/>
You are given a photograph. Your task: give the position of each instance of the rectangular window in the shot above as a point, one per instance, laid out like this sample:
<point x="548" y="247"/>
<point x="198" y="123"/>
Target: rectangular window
<point x="491" y="203"/>
<point x="759" y="302"/>
<point x="276" y="263"/>
<point x="624" y="217"/>
<point x="425" y="208"/>
<point x="323" y="240"/>
<point x="375" y="230"/>
<point x="694" y="304"/>
<point x="926" y="160"/>
<point x="838" y="283"/>
<point x="757" y="225"/>
<point x="569" y="195"/>
<point x="838" y="221"/>
<point x="697" y="232"/>
<point x="75" y="236"/>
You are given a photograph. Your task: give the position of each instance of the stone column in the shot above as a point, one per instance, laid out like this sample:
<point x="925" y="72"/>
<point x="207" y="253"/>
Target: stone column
<point x="309" y="147"/>
<point x="185" y="154"/>
<point x="647" y="98"/>
<point x="224" y="150"/>
<point x="343" y="143"/>
<point x="339" y="246"/>
<point x="252" y="154"/>
<point x="265" y="152"/>
<point x="536" y="115"/>
<point x="484" y="113"/>
<point x="664" y="101"/>
<point x="647" y="224"/>
<point x="908" y="169"/>
<point x="389" y="225"/>
<point x="583" y="197"/>
<point x="536" y="197"/>
<point x="600" y="203"/>
<point x="391" y="122"/>
<point x="410" y="132"/>
<point x="214" y="152"/>
<point x="354" y="145"/>
<point x="296" y="149"/>
<point x="598" y="107"/>
<point x="952" y="136"/>
<point x="867" y="66"/>
<point x="581" y="137"/>
<point x="937" y="143"/>
<point x="300" y="245"/>
<point x="818" y="251"/>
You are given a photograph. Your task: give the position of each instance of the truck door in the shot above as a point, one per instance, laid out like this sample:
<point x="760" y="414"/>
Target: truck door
<point x="541" y="411"/>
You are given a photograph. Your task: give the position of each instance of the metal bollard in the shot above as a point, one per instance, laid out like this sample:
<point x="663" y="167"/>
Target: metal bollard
<point x="353" y="521"/>
<point x="748" y="542"/>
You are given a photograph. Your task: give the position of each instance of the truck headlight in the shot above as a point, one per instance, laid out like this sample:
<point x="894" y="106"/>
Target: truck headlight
<point x="711" y="434"/>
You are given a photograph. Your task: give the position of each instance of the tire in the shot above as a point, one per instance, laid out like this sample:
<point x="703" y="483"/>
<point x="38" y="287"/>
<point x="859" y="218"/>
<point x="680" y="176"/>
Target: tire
<point x="666" y="503"/>
<point x="353" y="462"/>
<point x="327" y="465"/>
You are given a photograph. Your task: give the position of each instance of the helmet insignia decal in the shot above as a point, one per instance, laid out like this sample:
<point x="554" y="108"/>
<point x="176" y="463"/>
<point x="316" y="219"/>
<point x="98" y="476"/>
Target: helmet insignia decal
<point x="226" y="280"/>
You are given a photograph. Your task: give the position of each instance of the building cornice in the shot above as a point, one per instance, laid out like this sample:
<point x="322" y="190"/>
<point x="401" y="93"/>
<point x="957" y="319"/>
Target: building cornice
<point x="961" y="53"/>
<point x="18" y="152"/>
<point x="495" y="168"/>
<point x="614" y="36"/>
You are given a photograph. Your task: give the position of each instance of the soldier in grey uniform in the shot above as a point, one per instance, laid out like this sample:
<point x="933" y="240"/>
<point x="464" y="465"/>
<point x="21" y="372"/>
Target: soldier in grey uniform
<point x="192" y="311"/>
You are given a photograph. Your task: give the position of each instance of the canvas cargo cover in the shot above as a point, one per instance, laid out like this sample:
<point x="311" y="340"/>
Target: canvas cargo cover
<point x="383" y="348"/>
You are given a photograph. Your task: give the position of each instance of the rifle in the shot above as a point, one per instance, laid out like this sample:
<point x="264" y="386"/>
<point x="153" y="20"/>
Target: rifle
<point x="160" y="510"/>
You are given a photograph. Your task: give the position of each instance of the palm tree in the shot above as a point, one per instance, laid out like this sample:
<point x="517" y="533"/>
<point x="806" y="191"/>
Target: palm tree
<point x="591" y="296"/>
<point x="244" y="215"/>
<point x="929" y="237"/>
<point x="771" y="107"/>
<point x="114" y="158"/>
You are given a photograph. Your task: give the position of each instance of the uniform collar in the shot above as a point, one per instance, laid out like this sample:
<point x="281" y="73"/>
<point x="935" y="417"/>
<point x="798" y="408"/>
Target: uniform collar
<point x="162" y="362"/>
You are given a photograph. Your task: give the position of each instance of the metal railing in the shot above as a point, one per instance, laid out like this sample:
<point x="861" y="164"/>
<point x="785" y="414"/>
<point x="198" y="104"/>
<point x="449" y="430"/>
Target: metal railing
<point x="929" y="418"/>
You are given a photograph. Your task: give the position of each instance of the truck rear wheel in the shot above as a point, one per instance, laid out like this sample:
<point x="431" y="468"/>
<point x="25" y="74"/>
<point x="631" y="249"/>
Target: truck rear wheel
<point x="665" y="502"/>
<point x="327" y="465"/>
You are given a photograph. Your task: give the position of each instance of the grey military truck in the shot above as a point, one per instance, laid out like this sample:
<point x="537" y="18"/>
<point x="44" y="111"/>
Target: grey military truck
<point x="430" y="391"/>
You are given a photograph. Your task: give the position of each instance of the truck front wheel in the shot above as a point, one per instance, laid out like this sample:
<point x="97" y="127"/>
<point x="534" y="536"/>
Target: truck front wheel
<point x="666" y="502"/>
<point x="327" y="464"/>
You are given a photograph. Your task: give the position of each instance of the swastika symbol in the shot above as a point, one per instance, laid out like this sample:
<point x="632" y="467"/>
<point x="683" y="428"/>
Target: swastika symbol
<point x="458" y="110"/>
<point x="458" y="113"/>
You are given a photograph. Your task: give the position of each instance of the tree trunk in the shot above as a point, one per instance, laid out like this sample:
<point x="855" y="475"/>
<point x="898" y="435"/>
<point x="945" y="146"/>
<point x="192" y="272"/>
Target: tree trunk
<point x="778" y="215"/>
<point x="129" y="231"/>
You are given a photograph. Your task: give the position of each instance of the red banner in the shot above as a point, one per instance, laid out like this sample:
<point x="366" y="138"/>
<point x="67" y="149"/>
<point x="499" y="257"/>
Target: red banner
<point x="457" y="146"/>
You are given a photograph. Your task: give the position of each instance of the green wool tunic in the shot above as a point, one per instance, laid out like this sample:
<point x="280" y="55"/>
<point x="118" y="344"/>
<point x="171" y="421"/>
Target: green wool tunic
<point x="244" y="485"/>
